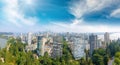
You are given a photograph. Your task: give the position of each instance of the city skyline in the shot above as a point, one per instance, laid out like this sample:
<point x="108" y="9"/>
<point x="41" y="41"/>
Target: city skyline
<point x="60" y="16"/>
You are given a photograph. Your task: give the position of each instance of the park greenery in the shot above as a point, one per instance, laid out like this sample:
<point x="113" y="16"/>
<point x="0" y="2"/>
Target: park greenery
<point x="14" y="54"/>
<point x="112" y="52"/>
<point x="115" y="52"/>
<point x="117" y="59"/>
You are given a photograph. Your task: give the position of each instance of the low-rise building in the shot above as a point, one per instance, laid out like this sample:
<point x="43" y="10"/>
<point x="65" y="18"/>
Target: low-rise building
<point x="31" y="47"/>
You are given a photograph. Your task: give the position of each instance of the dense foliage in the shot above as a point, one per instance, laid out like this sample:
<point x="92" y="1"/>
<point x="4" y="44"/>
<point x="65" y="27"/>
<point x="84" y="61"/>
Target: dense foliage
<point x="113" y="48"/>
<point x="14" y="54"/>
<point x="100" y="57"/>
<point x="117" y="59"/>
<point x="115" y="52"/>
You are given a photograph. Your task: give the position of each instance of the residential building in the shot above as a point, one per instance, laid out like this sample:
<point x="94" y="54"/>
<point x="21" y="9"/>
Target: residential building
<point x="93" y="43"/>
<point x="31" y="47"/>
<point x="56" y="50"/>
<point x="78" y="47"/>
<point x="29" y="38"/>
<point x="99" y="43"/>
<point x="40" y="45"/>
<point x="106" y="39"/>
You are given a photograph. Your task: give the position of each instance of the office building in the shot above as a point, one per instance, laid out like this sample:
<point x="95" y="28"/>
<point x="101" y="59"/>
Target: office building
<point x="93" y="43"/>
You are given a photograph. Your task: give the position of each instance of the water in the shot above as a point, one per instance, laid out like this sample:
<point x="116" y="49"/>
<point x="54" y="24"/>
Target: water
<point x="3" y="43"/>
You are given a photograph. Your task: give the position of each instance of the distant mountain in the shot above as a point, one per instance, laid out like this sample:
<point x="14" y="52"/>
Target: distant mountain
<point x="6" y="33"/>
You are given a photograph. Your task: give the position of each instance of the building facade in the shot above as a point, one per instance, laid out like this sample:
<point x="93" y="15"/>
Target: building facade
<point x="56" y="50"/>
<point x="93" y="43"/>
<point x="40" y="45"/>
<point x="79" y="45"/>
<point x="29" y="40"/>
<point x="106" y="39"/>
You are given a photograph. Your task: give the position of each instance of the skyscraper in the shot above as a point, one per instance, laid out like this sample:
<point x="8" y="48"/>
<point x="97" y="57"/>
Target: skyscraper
<point x="56" y="50"/>
<point x="106" y="39"/>
<point x="78" y="47"/>
<point x="21" y="36"/>
<point x="40" y="45"/>
<point x="93" y="43"/>
<point x="29" y="38"/>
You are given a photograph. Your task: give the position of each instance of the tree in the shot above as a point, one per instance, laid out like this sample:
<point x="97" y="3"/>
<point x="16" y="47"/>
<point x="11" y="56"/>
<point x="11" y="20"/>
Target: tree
<point x="117" y="58"/>
<point x="97" y="59"/>
<point x="87" y="54"/>
<point x="82" y="61"/>
<point x="90" y="62"/>
<point x="17" y="56"/>
<point x="117" y="61"/>
<point x="113" y="48"/>
<point x="106" y="59"/>
<point x="63" y="62"/>
<point x="117" y="55"/>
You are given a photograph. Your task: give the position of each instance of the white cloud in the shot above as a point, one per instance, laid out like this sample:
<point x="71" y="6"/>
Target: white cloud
<point x="116" y="13"/>
<point x="29" y="2"/>
<point x="62" y="27"/>
<point x="82" y="7"/>
<point x="77" y="21"/>
<point x="15" y="15"/>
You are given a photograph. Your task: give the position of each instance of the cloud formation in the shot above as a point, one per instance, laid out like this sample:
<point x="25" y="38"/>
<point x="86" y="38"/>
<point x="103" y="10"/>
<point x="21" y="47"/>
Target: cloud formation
<point x="81" y="7"/>
<point x="83" y="28"/>
<point x="15" y="15"/>
<point x="115" y="13"/>
<point x="14" y="12"/>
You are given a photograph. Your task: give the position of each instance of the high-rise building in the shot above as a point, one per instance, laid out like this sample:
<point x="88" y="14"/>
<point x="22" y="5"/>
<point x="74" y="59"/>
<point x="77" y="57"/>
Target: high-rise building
<point x="93" y="43"/>
<point x="106" y="39"/>
<point x="29" y="38"/>
<point x="40" y="45"/>
<point x="99" y="43"/>
<point x="78" y="47"/>
<point x="21" y="36"/>
<point x="56" y="50"/>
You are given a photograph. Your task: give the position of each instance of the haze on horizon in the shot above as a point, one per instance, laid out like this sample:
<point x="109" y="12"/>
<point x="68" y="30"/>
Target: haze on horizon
<point x="60" y="15"/>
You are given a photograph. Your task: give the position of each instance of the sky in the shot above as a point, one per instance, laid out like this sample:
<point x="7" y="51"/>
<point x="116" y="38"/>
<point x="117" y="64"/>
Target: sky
<point x="60" y="15"/>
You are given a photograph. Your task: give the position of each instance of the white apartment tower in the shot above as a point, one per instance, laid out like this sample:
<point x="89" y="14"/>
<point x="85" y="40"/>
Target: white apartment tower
<point x="106" y="38"/>
<point x="40" y="45"/>
<point x="78" y="48"/>
<point x="29" y="38"/>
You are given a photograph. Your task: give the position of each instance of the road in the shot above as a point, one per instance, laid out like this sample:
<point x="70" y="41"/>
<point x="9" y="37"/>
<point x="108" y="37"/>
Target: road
<point x="111" y="61"/>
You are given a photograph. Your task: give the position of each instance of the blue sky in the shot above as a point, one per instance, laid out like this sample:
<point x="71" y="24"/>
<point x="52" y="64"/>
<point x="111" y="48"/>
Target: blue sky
<point x="60" y="15"/>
